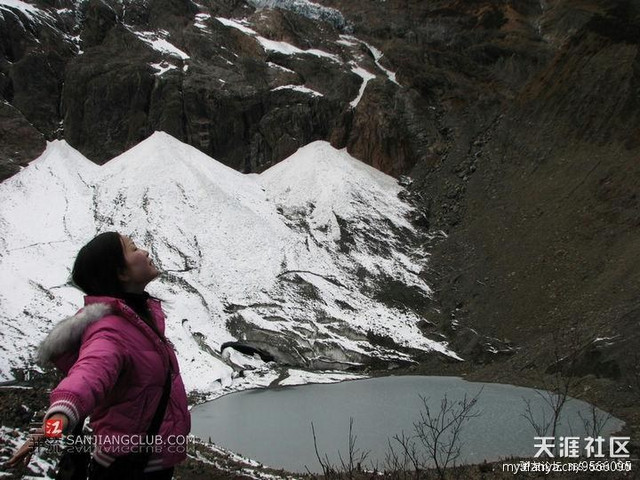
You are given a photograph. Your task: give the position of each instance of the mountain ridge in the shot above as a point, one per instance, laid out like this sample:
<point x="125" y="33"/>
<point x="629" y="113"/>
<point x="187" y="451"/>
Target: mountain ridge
<point x="235" y="268"/>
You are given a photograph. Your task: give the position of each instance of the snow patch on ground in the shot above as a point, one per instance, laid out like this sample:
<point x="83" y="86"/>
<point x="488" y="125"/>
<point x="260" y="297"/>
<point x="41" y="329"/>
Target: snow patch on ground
<point x="302" y="377"/>
<point x="162" y="68"/>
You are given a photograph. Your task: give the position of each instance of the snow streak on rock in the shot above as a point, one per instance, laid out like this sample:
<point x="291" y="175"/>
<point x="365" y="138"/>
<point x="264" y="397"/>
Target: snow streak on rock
<point x="31" y="12"/>
<point x="366" y="77"/>
<point x="158" y="41"/>
<point x="351" y="41"/>
<point x="276" y="46"/>
<point x="299" y="88"/>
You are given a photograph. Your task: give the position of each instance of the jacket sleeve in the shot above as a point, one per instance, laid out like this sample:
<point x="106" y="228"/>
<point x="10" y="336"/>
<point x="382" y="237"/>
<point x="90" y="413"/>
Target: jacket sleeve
<point x="101" y="358"/>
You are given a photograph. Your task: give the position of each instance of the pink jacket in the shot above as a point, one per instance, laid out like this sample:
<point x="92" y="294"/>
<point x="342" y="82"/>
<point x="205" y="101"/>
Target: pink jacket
<point x="115" y="367"/>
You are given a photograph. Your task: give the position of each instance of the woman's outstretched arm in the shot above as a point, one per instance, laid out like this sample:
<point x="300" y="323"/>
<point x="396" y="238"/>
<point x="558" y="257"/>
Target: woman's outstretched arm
<point x="101" y="359"/>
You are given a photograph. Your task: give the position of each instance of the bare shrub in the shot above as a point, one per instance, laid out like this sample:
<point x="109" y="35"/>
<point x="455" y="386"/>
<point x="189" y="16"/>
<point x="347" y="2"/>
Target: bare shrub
<point x="434" y="446"/>
<point x="594" y="421"/>
<point x="436" y="443"/>
<point x="559" y="384"/>
<point x="349" y="467"/>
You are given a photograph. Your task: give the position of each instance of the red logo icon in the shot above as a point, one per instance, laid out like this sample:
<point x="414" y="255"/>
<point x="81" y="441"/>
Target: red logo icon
<point x="53" y="428"/>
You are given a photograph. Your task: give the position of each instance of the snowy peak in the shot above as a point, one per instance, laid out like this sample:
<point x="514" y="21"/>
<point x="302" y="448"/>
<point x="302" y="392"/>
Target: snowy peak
<point x="332" y="180"/>
<point x="163" y="160"/>
<point x="160" y="153"/>
<point x="61" y="172"/>
<point x="61" y="160"/>
<point x="59" y="154"/>
<point x="319" y="165"/>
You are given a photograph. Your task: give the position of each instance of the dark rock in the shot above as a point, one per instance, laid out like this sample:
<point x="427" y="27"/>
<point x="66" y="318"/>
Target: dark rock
<point x="332" y="80"/>
<point x="293" y="349"/>
<point x="247" y="350"/>
<point x="33" y="55"/>
<point x="229" y="8"/>
<point x="37" y="81"/>
<point x="99" y="18"/>
<point x="166" y="105"/>
<point x="172" y="15"/>
<point x="302" y="32"/>
<point x="20" y="142"/>
<point x="425" y="326"/>
<point x="595" y="359"/>
<point x="531" y="177"/>
<point x="290" y="124"/>
<point x="107" y="95"/>
<point x="478" y="348"/>
<point x="397" y="294"/>
<point x="379" y="134"/>
<point x="15" y="38"/>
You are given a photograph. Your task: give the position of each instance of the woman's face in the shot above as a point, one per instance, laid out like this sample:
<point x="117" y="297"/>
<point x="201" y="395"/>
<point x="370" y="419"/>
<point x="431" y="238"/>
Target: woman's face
<point x="139" y="269"/>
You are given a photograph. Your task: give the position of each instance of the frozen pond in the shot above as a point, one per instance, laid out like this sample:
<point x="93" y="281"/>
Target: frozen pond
<point x="273" y="426"/>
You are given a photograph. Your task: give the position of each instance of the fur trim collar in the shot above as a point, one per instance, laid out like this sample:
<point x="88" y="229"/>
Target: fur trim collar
<point x="66" y="335"/>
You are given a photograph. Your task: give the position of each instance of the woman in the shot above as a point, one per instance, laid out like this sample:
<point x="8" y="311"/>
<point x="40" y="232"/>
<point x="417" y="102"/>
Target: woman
<point x="118" y="367"/>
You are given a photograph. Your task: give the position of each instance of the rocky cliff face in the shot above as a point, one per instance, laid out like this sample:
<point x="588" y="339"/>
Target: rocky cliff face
<point x="111" y="73"/>
<point x="518" y="121"/>
<point x="522" y="126"/>
<point x="538" y="185"/>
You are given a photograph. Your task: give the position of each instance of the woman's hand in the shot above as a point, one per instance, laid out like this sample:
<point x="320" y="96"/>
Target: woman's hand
<point x="24" y="453"/>
<point x="63" y="419"/>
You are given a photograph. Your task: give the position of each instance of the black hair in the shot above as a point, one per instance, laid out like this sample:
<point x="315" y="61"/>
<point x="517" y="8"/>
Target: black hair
<point x="96" y="270"/>
<point x="97" y="265"/>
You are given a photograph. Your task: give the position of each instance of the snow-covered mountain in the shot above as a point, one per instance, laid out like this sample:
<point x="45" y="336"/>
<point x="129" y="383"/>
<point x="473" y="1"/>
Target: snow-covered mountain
<point x="305" y="261"/>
